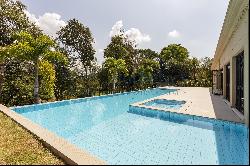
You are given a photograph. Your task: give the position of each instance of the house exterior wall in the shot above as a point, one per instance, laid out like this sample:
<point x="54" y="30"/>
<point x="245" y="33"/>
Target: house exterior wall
<point x="237" y="43"/>
<point x="233" y="40"/>
<point x="246" y="76"/>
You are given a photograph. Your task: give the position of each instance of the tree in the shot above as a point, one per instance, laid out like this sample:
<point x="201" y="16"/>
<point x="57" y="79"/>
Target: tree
<point x="200" y="73"/>
<point x="116" y="48"/>
<point x="32" y="49"/>
<point x="64" y="83"/>
<point x="147" y="53"/>
<point x="78" y="42"/>
<point x="12" y="20"/>
<point x="148" y="57"/>
<point x="46" y="79"/>
<point x="205" y="73"/>
<point x="18" y="83"/>
<point x="121" y="47"/>
<point x="194" y="65"/>
<point x="114" y="66"/>
<point x="102" y="77"/>
<point x="145" y="71"/>
<point x="173" y="61"/>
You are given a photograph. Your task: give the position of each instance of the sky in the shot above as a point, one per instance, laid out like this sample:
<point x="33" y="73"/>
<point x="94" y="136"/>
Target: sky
<point x="196" y="24"/>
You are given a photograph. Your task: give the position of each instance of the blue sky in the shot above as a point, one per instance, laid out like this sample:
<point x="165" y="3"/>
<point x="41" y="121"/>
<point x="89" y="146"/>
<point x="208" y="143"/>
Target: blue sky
<point x="196" y="24"/>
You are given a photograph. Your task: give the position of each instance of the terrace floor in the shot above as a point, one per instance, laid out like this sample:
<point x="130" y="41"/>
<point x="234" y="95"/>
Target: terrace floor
<point x="201" y="102"/>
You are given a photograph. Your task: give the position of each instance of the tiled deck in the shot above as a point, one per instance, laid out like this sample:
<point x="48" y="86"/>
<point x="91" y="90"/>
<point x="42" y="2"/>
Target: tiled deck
<point x="200" y="102"/>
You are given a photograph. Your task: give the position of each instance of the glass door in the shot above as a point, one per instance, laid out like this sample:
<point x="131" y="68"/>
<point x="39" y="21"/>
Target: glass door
<point x="240" y="82"/>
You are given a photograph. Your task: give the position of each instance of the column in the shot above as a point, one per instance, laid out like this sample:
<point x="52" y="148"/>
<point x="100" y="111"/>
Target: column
<point x="224" y="81"/>
<point x="246" y="83"/>
<point x="233" y="81"/>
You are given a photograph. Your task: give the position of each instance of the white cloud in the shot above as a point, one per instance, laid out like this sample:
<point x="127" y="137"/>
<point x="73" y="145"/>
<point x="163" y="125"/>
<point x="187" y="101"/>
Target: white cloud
<point x="136" y="35"/>
<point x="132" y="34"/>
<point x="50" y="23"/>
<point x="116" y="29"/>
<point x="31" y="17"/>
<point x="174" y="34"/>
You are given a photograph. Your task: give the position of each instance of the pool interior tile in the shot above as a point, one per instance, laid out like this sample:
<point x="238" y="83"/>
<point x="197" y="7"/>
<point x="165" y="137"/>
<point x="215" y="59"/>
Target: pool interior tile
<point x="144" y="136"/>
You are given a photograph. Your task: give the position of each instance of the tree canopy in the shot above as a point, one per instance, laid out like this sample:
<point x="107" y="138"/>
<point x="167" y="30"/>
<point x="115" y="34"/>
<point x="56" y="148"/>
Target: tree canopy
<point x="35" y="66"/>
<point x="13" y="20"/>
<point x="78" y="40"/>
<point x="36" y="50"/>
<point x="115" y="66"/>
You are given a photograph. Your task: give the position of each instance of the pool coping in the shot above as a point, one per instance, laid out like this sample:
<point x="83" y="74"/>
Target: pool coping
<point x="68" y="152"/>
<point x="182" y="111"/>
<point x="185" y="107"/>
<point x="35" y="107"/>
<point x="91" y="97"/>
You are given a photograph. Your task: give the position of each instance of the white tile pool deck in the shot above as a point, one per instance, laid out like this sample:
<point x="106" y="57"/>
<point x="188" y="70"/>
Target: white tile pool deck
<point x="199" y="102"/>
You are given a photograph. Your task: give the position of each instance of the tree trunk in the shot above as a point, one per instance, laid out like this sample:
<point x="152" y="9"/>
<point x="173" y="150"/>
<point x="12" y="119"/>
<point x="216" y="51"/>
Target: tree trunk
<point x="1" y="78"/>
<point x="36" y="86"/>
<point x="113" y="86"/>
<point x="1" y="83"/>
<point x="87" y="81"/>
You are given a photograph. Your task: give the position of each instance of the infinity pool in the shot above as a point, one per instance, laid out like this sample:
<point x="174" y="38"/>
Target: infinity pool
<point x="106" y="128"/>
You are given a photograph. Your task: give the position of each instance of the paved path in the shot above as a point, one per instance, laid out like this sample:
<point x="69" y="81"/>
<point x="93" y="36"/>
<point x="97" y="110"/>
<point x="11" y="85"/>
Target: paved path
<point x="201" y="102"/>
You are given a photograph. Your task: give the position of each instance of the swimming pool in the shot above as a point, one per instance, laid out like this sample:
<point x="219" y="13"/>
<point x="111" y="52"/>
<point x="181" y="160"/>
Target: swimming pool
<point x="104" y="127"/>
<point x="166" y="104"/>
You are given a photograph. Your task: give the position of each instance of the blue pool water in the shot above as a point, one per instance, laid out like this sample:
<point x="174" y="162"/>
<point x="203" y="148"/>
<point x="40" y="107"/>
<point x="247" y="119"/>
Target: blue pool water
<point x="166" y="104"/>
<point x="106" y="128"/>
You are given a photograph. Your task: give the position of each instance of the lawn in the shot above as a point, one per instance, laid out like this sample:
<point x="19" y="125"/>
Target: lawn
<point x="18" y="146"/>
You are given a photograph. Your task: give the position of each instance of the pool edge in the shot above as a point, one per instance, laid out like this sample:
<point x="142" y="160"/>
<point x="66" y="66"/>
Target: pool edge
<point x="172" y="111"/>
<point x="68" y="152"/>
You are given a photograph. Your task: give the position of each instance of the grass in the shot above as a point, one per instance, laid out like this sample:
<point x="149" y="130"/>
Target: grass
<point x="18" y="146"/>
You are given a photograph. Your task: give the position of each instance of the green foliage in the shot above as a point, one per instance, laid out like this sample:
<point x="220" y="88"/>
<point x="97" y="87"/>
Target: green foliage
<point x="194" y="65"/>
<point x="94" y="82"/>
<point x="116" y="49"/>
<point x="56" y="57"/>
<point x="146" y="65"/>
<point x="113" y="67"/>
<point x="78" y="40"/>
<point x="147" y="53"/>
<point x="173" y="59"/>
<point x="174" y="52"/>
<point x="13" y="20"/>
<point x="26" y="47"/>
<point x="31" y="62"/>
<point x="17" y="84"/>
<point x="64" y="83"/>
<point x="122" y="48"/>
<point x="102" y="77"/>
<point x="200" y="73"/>
<point x="46" y="80"/>
<point x="30" y="49"/>
<point x="177" y="68"/>
<point x="146" y="70"/>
